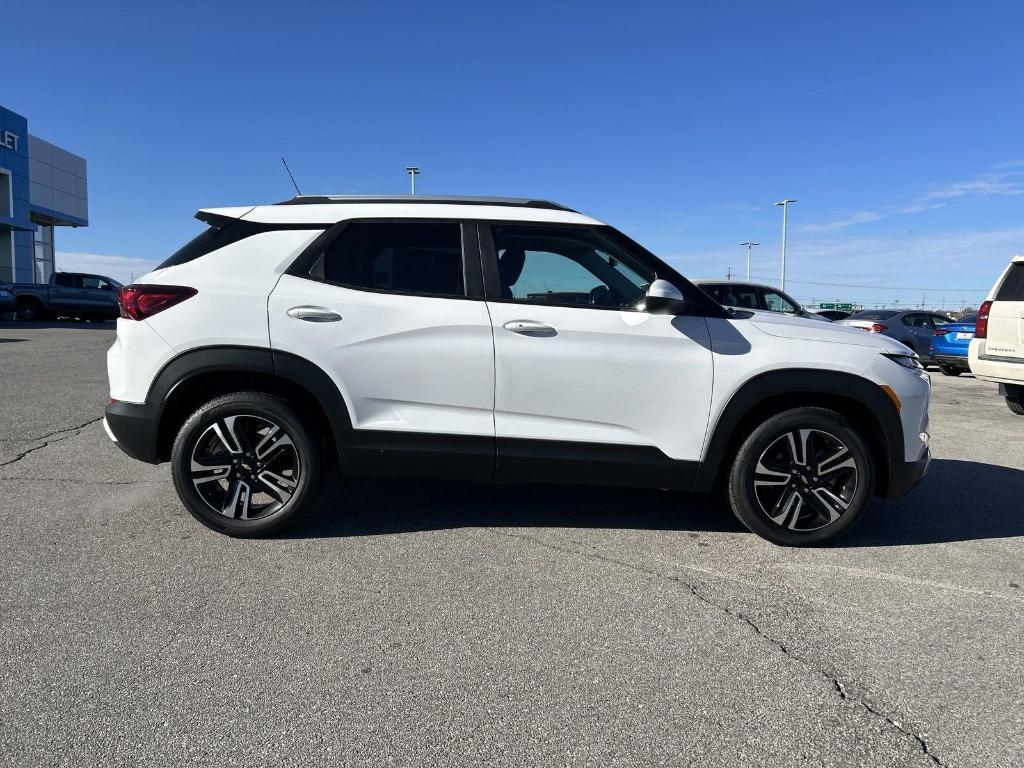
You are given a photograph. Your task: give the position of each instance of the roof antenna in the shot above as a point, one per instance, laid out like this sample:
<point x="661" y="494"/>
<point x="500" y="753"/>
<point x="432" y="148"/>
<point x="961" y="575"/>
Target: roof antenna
<point x="297" y="192"/>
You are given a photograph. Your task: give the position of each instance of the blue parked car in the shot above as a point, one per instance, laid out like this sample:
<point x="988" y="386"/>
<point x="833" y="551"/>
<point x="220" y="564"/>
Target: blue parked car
<point x="950" y="345"/>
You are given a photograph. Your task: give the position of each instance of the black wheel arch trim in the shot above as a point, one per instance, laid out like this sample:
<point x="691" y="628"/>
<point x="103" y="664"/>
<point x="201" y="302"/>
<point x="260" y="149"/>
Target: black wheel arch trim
<point x="137" y="426"/>
<point x="724" y="434"/>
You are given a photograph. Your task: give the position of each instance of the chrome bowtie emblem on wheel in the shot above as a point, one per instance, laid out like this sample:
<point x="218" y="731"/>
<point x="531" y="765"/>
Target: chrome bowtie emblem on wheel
<point x="245" y="467"/>
<point x="805" y="479"/>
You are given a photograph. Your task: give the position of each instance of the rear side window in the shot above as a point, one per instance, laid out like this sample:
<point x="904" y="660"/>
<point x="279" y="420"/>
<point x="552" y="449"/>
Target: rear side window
<point x="917" y="321"/>
<point x="874" y="314"/>
<point x="423" y="258"/>
<point x="1012" y="287"/>
<point x="65" y="280"/>
<point x="733" y="295"/>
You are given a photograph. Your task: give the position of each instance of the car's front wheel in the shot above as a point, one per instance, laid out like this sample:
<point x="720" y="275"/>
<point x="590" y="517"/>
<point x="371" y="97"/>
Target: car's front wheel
<point x="1016" y="404"/>
<point x="803" y="477"/>
<point x="246" y="464"/>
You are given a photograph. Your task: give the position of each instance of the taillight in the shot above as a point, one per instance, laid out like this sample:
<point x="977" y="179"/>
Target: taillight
<point x="137" y="302"/>
<point x="878" y="328"/>
<point x="939" y="332"/>
<point x="981" y="326"/>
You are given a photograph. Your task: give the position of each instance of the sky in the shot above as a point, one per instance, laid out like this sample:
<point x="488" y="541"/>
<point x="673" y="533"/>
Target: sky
<point x="895" y="126"/>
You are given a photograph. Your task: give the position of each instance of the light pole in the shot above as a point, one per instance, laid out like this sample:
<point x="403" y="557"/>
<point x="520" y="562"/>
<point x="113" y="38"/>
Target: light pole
<point x="785" y="207"/>
<point x="413" y="172"/>
<point x="749" y="246"/>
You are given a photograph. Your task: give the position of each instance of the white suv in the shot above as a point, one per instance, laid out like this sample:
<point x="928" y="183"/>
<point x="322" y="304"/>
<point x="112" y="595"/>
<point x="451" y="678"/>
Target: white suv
<point x="492" y="339"/>
<point x="997" y="349"/>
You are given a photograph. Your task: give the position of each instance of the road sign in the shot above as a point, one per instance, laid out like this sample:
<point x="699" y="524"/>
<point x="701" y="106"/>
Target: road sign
<point x="833" y="305"/>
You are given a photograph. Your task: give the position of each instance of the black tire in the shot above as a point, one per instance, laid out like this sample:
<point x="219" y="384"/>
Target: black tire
<point x="28" y="311"/>
<point x="245" y="421"/>
<point x="950" y="370"/>
<point x="815" y="516"/>
<point x="1016" y="404"/>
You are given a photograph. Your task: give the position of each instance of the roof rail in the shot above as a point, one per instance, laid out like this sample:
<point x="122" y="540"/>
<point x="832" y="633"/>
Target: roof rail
<point x="515" y="202"/>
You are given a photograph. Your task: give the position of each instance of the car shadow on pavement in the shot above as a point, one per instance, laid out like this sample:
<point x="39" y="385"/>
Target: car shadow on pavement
<point x="957" y="501"/>
<point x="370" y="508"/>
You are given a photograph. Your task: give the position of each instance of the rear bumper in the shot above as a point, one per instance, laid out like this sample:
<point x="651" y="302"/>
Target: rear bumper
<point x="960" y="361"/>
<point x="133" y="427"/>
<point x="907" y="474"/>
<point x="997" y="368"/>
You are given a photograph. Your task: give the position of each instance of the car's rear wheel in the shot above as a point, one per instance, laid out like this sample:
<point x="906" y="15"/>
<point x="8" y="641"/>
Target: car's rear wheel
<point x="246" y="464"/>
<point x="950" y="370"/>
<point x="803" y="477"/>
<point x="1016" y="404"/>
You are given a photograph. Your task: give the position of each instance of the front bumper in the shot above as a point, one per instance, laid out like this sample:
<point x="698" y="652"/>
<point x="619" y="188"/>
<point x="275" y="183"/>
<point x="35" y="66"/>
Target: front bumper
<point x="906" y="475"/>
<point x="133" y="427"/>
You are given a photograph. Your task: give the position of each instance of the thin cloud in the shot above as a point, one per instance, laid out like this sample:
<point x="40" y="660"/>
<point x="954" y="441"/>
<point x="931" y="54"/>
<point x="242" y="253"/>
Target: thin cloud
<point x="1003" y="183"/>
<point x="121" y="268"/>
<point x="997" y="184"/>
<point x="825" y="89"/>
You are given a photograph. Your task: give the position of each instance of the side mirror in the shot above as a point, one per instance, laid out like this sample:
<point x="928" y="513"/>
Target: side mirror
<point x="663" y="298"/>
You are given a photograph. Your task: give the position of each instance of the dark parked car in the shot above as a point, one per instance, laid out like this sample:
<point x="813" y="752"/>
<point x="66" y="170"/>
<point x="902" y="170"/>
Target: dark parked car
<point x="6" y="298"/>
<point x="68" y="294"/>
<point x="951" y="343"/>
<point x="755" y="296"/>
<point x="913" y="327"/>
<point x="833" y="314"/>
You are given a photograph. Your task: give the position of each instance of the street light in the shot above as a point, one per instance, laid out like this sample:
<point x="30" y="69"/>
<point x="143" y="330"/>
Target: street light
<point x="785" y="206"/>
<point x="749" y="246"/>
<point x="413" y="172"/>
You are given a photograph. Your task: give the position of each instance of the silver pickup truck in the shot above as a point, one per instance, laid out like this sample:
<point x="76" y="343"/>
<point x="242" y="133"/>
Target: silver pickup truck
<point x="68" y="294"/>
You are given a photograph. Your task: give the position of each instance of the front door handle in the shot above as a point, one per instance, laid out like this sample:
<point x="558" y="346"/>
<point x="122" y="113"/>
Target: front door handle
<point x="314" y="314"/>
<point x="529" y="328"/>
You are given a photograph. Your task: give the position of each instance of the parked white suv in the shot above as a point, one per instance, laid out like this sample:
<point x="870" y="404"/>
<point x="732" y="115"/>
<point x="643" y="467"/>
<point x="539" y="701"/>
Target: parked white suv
<point x="492" y="339"/>
<point x="997" y="349"/>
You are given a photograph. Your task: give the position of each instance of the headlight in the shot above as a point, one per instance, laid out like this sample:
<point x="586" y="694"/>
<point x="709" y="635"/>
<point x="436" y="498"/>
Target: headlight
<point x="907" y="361"/>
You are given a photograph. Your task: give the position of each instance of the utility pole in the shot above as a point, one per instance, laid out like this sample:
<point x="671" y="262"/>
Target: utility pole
<point x="728" y="274"/>
<point x="749" y="246"/>
<point x="785" y="207"/>
<point x="413" y="172"/>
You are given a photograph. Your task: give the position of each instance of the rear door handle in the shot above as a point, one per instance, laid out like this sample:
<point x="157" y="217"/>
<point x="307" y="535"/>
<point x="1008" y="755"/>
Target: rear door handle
<point x="314" y="314"/>
<point x="529" y="328"/>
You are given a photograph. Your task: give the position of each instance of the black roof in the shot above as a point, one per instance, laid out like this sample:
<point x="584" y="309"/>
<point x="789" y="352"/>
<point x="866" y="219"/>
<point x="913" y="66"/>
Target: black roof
<point x="514" y="202"/>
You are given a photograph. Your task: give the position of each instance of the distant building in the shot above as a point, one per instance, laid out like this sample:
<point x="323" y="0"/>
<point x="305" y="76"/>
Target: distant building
<point x="41" y="187"/>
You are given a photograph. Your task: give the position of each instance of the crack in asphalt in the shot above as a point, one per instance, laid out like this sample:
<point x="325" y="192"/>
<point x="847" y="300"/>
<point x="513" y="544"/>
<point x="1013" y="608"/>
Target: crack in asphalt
<point x="833" y="679"/>
<point x="17" y="478"/>
<point x="74" y="432"/>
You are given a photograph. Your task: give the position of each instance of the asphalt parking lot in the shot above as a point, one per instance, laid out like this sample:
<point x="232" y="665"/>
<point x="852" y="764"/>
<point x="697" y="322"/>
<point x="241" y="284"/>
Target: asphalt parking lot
<point x="441" y="624"/>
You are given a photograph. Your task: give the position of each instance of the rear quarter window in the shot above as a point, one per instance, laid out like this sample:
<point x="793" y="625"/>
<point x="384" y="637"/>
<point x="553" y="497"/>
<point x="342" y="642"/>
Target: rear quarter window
<point x="212" y="239"/>
<point x="1012" y="287"/>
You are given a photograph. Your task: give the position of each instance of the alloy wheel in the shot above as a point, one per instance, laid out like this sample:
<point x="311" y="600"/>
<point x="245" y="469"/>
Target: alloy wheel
<point x="806" y="479"/>
<point x="245" y="466"/>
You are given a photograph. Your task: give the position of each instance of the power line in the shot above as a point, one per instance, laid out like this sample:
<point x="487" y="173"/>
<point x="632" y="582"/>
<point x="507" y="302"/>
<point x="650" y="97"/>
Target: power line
<point x="891" y="287"/>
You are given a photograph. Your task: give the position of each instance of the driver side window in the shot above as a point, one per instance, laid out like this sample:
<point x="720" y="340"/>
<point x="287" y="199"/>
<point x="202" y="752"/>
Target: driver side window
<point x="568" y="267"/>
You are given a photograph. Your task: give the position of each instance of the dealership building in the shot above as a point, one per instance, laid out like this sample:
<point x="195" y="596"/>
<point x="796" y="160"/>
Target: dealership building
<point x="41" y="187"/>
